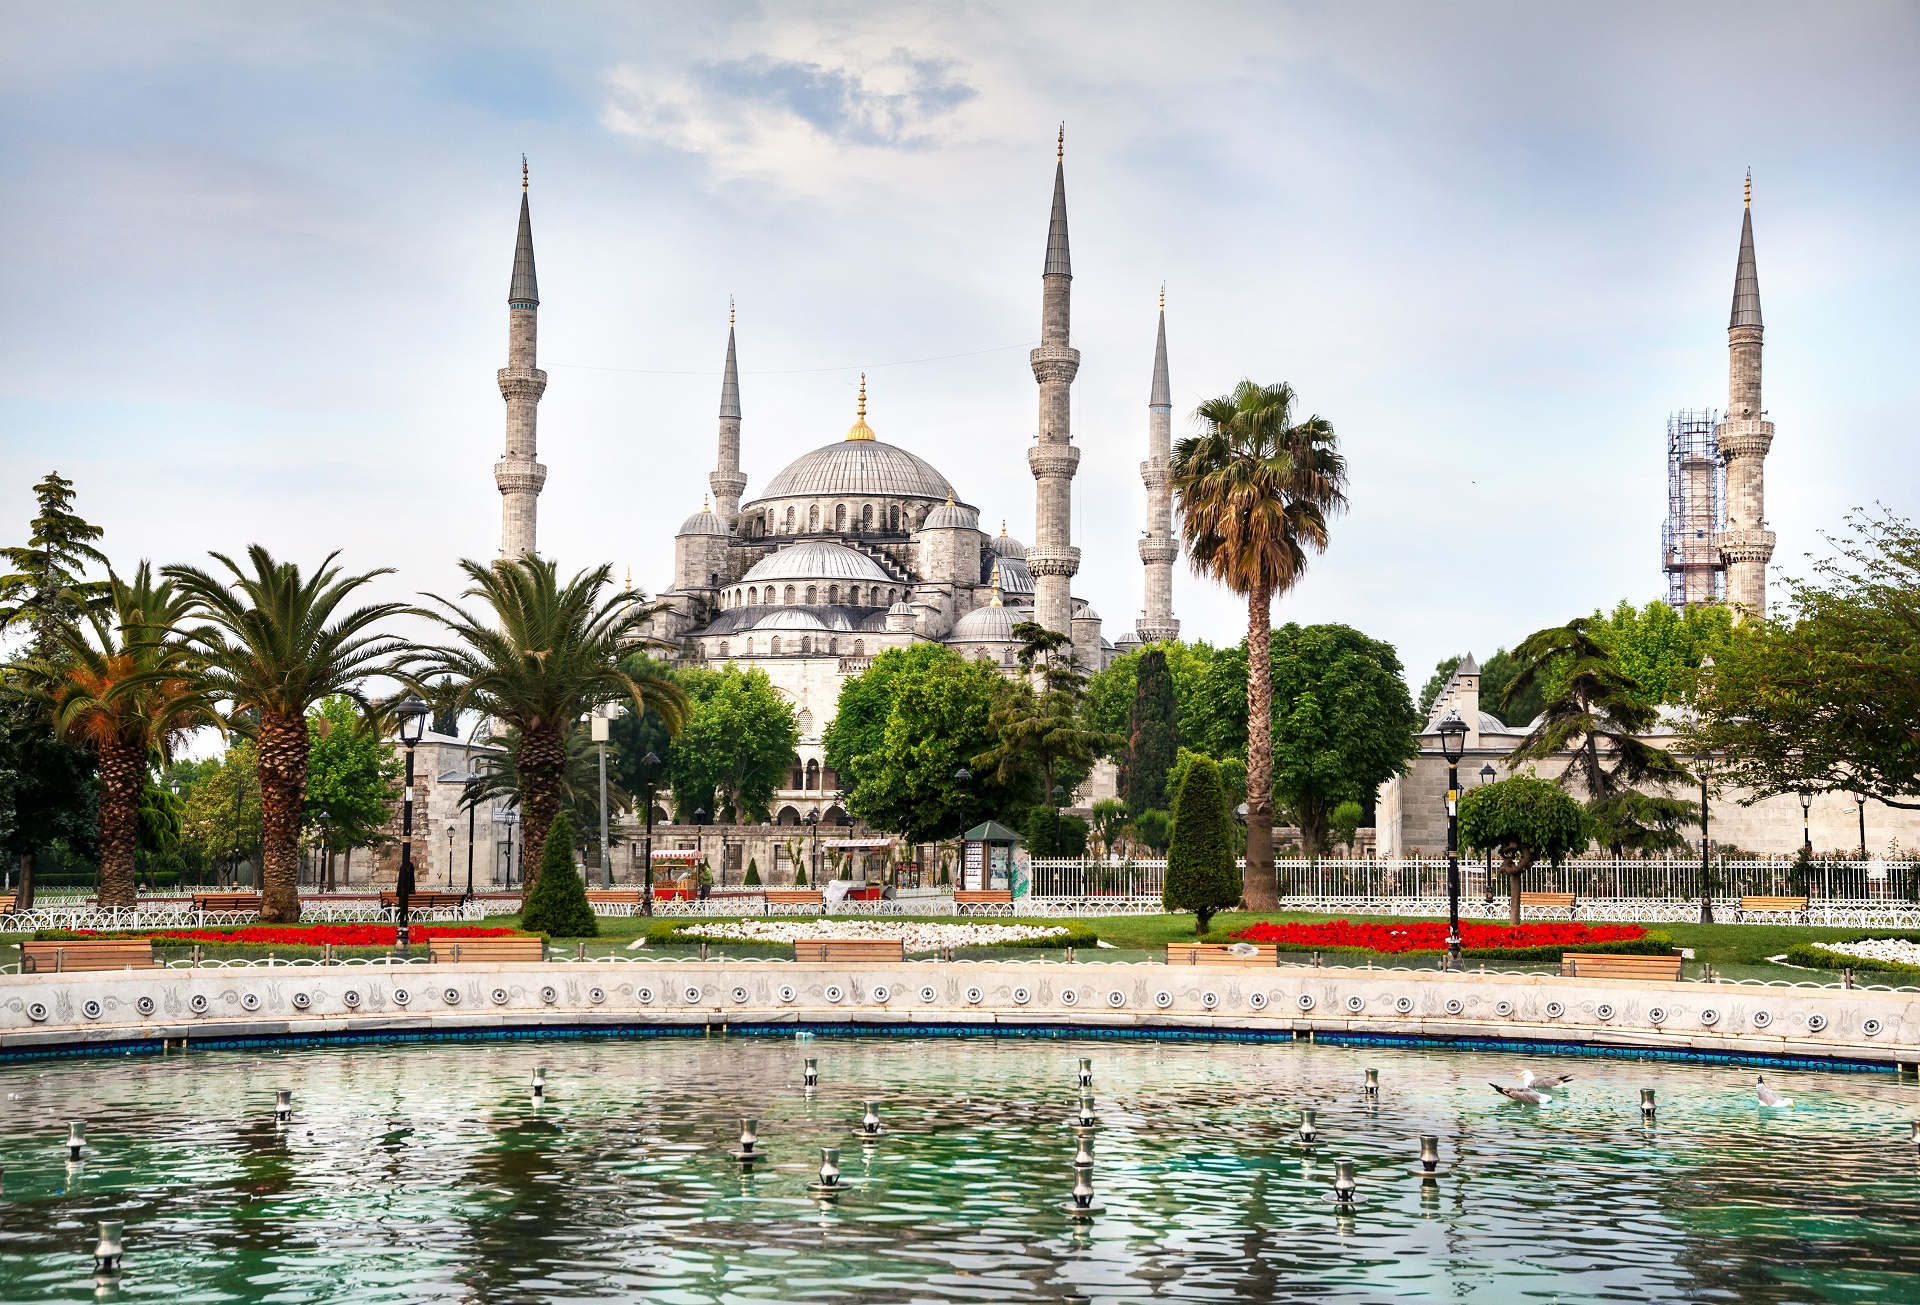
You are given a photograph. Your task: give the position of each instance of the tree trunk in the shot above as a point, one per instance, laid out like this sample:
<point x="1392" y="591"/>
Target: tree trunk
<point x="122" y="771"/>
<point x="23" y="896"/>
<point x="282" y="772"/>
<point x="1513" y="872"/>
<point x="542" y="767"/>
<point x="1260" y="891"/>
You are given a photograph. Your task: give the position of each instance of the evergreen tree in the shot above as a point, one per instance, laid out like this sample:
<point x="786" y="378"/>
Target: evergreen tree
<point x="1153" y="735"/>
<point x="44" y="589"/>
<point x="557" y="902"/>
<point x="753" y="874"/>
<point x="1201" y="876"/>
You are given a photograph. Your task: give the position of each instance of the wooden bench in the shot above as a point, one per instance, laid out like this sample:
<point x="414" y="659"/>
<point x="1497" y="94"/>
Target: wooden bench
<point x="227" y="902"/>
<point x="518" y="947"/>
<point x="1791" y="906"/>
<point x="87" y="954"/>
<point x="1549" y="902"/>
<point x="1587" y="965"/>
<point x="1220" y="955"/>
<point x="6" y="904"/>
<point x="793" y="896"/>
<point x="993" y="901"/>
<point x="853" y="950"/>
<point x="614" y="896"/>
<point x="423" y="901"/>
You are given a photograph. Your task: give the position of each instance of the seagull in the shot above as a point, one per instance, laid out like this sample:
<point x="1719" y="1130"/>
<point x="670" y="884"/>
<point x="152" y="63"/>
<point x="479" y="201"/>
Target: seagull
<point x="1768" y="1097"/>
<point x="1527" y="1095"/>
<point x="1543" y="1081"/>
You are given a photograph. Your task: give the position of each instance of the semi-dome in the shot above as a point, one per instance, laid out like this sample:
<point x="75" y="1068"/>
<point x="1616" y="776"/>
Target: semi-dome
<point x="791" y="618"/>
<point x="990" y="624"/>
<point x="817" y="559"/>
<point x="1014" y="576"/>
<point x="858" y="467"/>
<point x="703" y="522"/>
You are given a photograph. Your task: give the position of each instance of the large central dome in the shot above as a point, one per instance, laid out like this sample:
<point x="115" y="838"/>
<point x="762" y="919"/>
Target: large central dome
<point x="858" y="467"/>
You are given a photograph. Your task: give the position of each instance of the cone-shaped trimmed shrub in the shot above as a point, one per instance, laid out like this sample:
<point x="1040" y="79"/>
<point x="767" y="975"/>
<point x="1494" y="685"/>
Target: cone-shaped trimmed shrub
<point x="557" y="905"/>
<point x="753" y="874"/>
<point x="1201" y="875"/>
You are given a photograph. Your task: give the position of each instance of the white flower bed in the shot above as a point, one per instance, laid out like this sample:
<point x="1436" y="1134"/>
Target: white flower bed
<point x="1877" y="949"/>
<point x="917" y="937"/>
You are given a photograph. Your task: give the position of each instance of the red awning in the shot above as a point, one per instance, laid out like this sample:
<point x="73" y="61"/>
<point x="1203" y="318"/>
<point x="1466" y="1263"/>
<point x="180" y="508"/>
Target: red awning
<point x="687" y="854"/>
<point x="860" y="842"/>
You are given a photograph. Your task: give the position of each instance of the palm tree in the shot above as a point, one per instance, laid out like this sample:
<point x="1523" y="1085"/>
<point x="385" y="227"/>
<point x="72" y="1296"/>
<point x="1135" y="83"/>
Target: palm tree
<point x="279" y="644"/>
<point x="1255" y="489"/>
<point x="546" y="654"/>
<point x="128" y="695"/>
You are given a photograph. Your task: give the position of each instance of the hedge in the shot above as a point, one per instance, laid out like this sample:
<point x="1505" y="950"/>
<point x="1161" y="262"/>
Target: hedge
<point x="1816" y="957"/>
<point x="1655" y="943"/>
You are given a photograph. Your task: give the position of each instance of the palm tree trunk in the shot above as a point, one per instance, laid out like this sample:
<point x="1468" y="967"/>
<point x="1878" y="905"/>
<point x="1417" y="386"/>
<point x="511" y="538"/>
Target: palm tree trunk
<point x="282" y="770"/>
<point x="543" y="766"/>
<point x="122" y="771"/>
<point x="1260" y="890"/>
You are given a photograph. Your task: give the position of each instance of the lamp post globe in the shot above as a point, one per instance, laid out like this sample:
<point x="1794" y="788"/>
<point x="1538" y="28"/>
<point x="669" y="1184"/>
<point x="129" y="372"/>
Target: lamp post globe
<point x="1453" y="746"/>
<point x="411" y="713"/>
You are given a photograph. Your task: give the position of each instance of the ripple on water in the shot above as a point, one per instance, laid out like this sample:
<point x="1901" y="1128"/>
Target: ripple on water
<point x="424" y="1172"/>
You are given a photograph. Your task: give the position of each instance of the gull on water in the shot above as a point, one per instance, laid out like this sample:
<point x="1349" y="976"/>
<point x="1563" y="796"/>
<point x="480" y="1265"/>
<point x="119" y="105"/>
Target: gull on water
<point x="1767" y="1096"/>
<point x="1528" y="1095"/>
<point x="1543" y="1082"/>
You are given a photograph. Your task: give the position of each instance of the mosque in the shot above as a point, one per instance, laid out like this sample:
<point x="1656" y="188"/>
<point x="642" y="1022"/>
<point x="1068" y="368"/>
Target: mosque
<point x="862" y="545"/>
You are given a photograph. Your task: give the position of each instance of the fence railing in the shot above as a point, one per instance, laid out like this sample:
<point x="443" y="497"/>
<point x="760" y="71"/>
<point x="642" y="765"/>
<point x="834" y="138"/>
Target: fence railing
<point x="1591" y="879"/>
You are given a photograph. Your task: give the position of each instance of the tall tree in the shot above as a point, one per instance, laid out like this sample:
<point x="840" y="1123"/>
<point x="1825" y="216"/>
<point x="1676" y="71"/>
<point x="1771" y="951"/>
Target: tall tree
<point x="280" y="642"/>
<point x="223" y="821"/>
<point x="736" y="748"/>
<point x="1109" y="703"/>
<point x="1526" y="820"/>
<point x="1596" y="717"/>
<point x="1825" y="695"/>
<point x="45" y="588"/>
<point x="1153" y="734"/>
<point x="1255" y="489"/>
<point x="1043" y="732"/>
<point x="543" y="655"/>
<point x="353" y="777"/>
<point x="1200" y="871"/>
<point x="47" y="789"/>
<point x="121" y="685"/>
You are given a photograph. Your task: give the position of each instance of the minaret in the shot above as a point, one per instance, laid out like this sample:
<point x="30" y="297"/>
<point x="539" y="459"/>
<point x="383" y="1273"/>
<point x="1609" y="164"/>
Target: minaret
<point x="518" y="474"/>
<point x="1744" y="436"/>
<point x="727" y="481"/>
<point x="1053" y="560"/>
<point x="1159" y="549"/>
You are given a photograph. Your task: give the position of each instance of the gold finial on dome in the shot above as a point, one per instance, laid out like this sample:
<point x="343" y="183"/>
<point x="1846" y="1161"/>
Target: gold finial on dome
<point x="949" y="496"/>
<point x="523" y="174"/>
<point x="994" y="601"/>
<point x="1003" y="529"/>
<point x="1060" y="144"/>
<point x="704" y="504"/>
<point x="629" y="579"/>
<point x="1749" y="187"/>
<point x="860" y="430"/>
<point x="729" y="312"/>
<point x="1163" y="296"/>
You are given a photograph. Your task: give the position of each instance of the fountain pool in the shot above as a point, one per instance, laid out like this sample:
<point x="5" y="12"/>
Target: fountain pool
<point x="428" y="1172"/>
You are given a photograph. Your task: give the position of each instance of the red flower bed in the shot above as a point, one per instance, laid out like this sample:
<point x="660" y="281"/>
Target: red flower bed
<point x="1431" y="936"/>
<point x="313" y="935"/>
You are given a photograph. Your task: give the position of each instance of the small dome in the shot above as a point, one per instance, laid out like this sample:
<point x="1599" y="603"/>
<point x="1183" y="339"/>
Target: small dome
<point x="817" y="559"/>
<point x="1004" y="546"/>
<point x="899" y="609"/>
<point x="791" y="618"/>
<point x="1128" y="640"/>
<point x="952" y="516"/>
<point x="990" y="624"/>
<point x="703" y="522"/>
<point x="1086" y="613"/>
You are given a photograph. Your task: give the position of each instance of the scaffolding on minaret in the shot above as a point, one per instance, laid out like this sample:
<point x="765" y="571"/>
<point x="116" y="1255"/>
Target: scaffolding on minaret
<point x="1696" y="511"/>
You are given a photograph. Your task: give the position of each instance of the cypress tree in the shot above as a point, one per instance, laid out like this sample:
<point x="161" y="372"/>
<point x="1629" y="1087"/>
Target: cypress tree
<point x="557" y="904"/>
<point x="1201" y="875"/>
<point x="1153" y="736"/>
<point x="753" y="874"/>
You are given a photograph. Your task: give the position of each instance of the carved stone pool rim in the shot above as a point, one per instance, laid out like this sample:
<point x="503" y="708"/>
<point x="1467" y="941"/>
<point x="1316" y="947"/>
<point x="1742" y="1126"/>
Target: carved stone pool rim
<point x="150" y="1011"/>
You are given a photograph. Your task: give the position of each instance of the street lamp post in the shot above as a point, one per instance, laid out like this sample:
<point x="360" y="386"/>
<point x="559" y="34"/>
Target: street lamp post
<point x="1706" y="854"/>
<point x="471" y="803"/>
<point x="649" y="782"/>
<point x="1453" y="745"/>
<point x="1806" y="822"/>
<point x="413" y="723"/>
<point x="1860" y="801"/>
<point x="509" y="819"/>
<point x="449" y="856"/>
<point x="700" y="819"/>
<point x="961" y="778"/>
<point x="1487" y="776"/>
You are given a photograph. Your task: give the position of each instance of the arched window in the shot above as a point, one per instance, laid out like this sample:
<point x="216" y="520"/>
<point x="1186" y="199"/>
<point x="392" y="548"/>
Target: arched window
<point x="813" y="517"/>
<point x="789" y="597"/>
<point x="736" y="597"/>
<point x="840" y="518"/>
<point x="753" y="595"/>
<point x="891" y="597"/>
<point x="813" y="595"/>
<point x="813" y="775"/>
<point x="806" y="645"/>
<point x="724" y="654"/>
<point x="833" y="647"/>
<point x="776" y="645"/>
<point x="749" y="651"/>
<point x="789" y="521"/>
<point x="1006" y="658"/>
<point x="796" y="778"/>
<point x="866" y="517"/>
<point x="859" y="647"/>
<point x="833" y="594"/>
<point x="893" y="518"/>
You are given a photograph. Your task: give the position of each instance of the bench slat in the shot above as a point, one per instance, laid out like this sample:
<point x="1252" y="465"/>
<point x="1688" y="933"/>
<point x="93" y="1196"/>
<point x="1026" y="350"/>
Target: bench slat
<point x="87" y="954"/>
<point x="849" y="949"/>
<point x="1607" y="966"/>
<point x="1220" y="955"/>
<point x="526" y="948"/>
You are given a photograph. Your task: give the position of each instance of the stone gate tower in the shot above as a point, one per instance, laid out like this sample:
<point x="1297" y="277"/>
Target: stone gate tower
<point x="1053" y="560"/>
<point x="518" y="473"/>
<point x="1744" y="437"/>
<point x="1159" y="550"/>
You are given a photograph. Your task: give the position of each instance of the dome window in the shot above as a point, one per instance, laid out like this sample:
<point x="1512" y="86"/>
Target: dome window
<point x="893" y="518"/>
<point x="789" y="594"/>
<point x="813" y="518"/>
<point x="806" y="645"/>
<point x="866" y="518"/>
<point x="840" y="518"/>
<point x="790" y="521"/>
<point x="776" y="645"/>
<point x="724" y="654"/>
<point x="813" y="595"/>
<point x="859" y="647"/>
<point x="833" y="594"/>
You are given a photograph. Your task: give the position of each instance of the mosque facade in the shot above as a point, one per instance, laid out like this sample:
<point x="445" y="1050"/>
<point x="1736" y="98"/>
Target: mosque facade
<point x="862" y="544"/>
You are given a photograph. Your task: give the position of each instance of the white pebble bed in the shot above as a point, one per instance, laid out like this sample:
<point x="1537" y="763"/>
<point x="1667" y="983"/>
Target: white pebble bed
<point x="917" y="937"/>
<point x="1877" y="949"/>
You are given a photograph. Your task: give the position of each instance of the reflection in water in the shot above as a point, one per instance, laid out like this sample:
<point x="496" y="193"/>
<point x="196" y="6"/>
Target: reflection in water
<point x="427" y="1172"/>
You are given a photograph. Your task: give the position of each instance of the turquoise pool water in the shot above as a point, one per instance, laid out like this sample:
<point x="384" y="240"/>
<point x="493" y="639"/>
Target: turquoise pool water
<point x="426" y="1172"/>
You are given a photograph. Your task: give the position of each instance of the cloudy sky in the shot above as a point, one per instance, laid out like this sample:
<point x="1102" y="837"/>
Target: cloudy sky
<point x="260" y="258"/>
